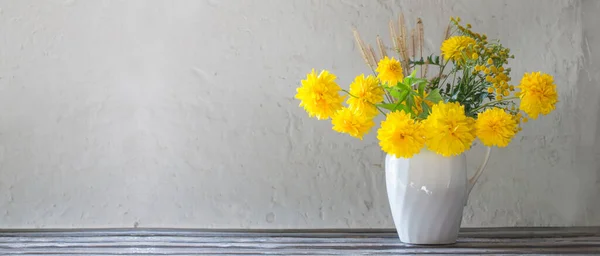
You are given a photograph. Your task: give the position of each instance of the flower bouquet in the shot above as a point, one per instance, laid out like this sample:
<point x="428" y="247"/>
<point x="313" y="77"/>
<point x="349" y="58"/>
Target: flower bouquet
<point x="434" y="106"/>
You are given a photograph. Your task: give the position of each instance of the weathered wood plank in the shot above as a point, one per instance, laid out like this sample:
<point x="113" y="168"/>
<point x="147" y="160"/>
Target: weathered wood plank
<point x="575" y="240"/>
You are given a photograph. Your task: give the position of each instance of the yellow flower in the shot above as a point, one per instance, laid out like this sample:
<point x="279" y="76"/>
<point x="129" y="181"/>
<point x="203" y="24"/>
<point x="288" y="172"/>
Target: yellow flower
<point x="490" y="90"/>
<point x="400" y="135"/>
<point x="351" y="122"/>
<point x="448" y="131"/>
<point x="365" y="91"/>
<point x="389" y="71"/>
<point x="490" y="61"/>
<point x="454" y="48"/>
<point x="503" y="77"/>
<point x="538" y="94"/>
<point x="474" y="56"/>
<point x="495" y="127"/>
<point x="319" y="95"/>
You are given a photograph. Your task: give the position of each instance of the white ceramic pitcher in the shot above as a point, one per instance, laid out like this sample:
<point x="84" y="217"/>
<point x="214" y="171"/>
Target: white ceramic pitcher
<point x="427" y="194"/>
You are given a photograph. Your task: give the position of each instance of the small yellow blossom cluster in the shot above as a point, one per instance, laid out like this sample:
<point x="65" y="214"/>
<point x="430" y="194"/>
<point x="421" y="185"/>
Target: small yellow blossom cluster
<point x="467" y="30"/>
<point x="496" y="74"/>
<point x="497" y="77"/>
<point x="490" y="59"/>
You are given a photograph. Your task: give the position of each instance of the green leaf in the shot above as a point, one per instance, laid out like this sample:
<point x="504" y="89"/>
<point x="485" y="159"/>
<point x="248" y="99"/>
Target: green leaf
<point x="417" y="82"/>
<point x="410" y="102"/>
<point x="421" y="89"/>
<point x="401" y="96"/>
<point x="417" y="62"/>
<point x="425" y="107"/>
<point x="394" y="107"/>
<point x="395" y="93"/>
<point x="402" y="107"/>
<point x="388" y="106"/>
<point x="414" y="73"/>
<point x="426" y="110"/>
<point x="434" y="96"/>
<point x="404" y="86"/>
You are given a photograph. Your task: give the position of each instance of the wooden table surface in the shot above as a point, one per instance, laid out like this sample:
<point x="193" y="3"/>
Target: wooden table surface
<point x="503" y="241"/>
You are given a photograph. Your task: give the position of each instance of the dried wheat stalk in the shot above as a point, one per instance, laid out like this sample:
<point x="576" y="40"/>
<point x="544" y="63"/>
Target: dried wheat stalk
<point x="381" y="47"/>
<point x="403" y="43"/>
<point x="421" y="40"/>
<point x="363" y="49"/>
<point x="413" y="44"/>
<point x="408" y="46"/>
<point x="447" y="34"/>
<point x="373" y="55"/>
<point x="393" y="36"/>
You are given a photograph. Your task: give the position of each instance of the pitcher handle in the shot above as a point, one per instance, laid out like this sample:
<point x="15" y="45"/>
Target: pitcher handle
<point x="473" y="179"/>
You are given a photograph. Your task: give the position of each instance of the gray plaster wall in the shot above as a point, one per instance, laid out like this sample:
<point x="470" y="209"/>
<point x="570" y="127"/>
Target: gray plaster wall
<point x="180" y="113"/>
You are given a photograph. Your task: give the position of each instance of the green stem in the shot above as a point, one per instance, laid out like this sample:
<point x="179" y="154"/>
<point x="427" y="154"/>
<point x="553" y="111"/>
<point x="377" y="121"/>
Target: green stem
<point x="453" y="82"/>
<point x="447" y="77"/>
<point x="493" y="102"/>
<point x="380" y="110"/>
<point x="369" y="102"/>
<point x="387" y="94"/>
<point x="343" y="90"/>
<point x="442" y="72"/>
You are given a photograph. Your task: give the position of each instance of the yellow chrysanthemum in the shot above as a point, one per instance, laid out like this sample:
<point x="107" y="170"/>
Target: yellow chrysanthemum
<point x="351" y="122"/>
<point x="389" y="71"/>
<point x="400" y="135"/>
<point x="448" y="131"/>
<point x="538" y="94"/>
<point x="365" y="91"/>
<point x="495" y="127"/>
<point x="319" y="95"/>
<point x="454" y="47"/>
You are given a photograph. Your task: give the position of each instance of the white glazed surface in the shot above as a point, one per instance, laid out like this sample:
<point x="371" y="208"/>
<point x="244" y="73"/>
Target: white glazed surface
<point x="427" y="194"/>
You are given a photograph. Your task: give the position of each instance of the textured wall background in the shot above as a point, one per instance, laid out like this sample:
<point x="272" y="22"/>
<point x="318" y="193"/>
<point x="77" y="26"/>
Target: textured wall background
<point x="181" y="114"/>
